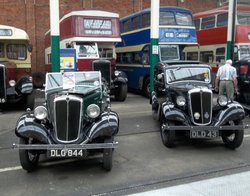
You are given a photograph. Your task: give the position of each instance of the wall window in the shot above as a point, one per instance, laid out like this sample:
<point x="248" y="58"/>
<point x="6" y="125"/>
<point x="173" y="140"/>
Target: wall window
<point x="208" y="22"/>
<point x="222" y="20"/>
<point x="16" y="51"/>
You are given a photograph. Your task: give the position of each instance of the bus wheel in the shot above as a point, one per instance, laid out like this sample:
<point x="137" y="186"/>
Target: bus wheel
<point x="122" y="94"/>
<point x="146" y="87"/>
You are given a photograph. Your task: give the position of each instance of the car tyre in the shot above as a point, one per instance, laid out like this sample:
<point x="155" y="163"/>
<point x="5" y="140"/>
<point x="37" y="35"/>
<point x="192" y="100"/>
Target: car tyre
<point x="108" y="155"/>
<point x="122" y="95"/>
<point x="28" y="159"/>
<point x="168" y="136"/>
<point x="233" y="139"/>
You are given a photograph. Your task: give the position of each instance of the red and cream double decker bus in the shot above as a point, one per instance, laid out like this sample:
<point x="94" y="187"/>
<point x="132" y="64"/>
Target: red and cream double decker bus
<point x="15" y="66"/>
<point x="212" y="28"/>
<point x="93" y="34"/>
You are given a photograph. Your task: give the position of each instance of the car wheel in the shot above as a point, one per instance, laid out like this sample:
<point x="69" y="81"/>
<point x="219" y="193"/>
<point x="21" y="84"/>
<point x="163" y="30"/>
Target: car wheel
<point x="168" y="136"/>
<point x="108" y="155"/>
<point x="233" y="139"/>
<point x="122" y="95"/>
<point x="28" y="159"/>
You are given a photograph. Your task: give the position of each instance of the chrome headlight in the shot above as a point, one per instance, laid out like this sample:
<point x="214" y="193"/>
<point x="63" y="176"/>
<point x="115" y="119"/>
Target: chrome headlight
<point x="117" y="73"/>
<point x="12" y="82"/>
<point x="40" y="113"/>
<point x="222" y="100"/>
<point x="180" y="101"/>
<point x="93" y="111"/>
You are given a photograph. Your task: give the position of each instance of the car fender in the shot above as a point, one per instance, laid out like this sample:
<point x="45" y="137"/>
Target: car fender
<point x="121" y="78"/>
<point x="170" y="113"/>
<point x="233" y="111"/>
<point x="27" y="127"/>
<point x="107" y="125"/>
<point x="24" y="85"/>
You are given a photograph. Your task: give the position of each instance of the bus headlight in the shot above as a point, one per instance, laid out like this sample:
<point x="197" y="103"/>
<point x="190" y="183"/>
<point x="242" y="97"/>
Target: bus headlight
<point x="40" y="113"/>
<point x="180" y="101"/>
<point x="222" y="100"/>
<point x="12" y="83"/>
<point x="93" y="111"/>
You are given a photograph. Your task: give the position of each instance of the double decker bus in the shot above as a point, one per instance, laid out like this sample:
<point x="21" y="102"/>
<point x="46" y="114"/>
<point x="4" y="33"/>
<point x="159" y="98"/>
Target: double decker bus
<point x="176" y="30"/>
<point x="15" y="66"/>
<point x="212" y="27"/>
<point x="93" y="35"/>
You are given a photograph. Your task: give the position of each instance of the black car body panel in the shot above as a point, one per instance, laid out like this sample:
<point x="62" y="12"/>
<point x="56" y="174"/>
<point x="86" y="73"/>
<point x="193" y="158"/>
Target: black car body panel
<point x="243" y="73"/>
<point x="116" y="80"/>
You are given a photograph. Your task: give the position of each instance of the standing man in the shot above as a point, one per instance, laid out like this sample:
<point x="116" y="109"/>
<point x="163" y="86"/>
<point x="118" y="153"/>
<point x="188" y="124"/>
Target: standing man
<point x="226" y="80"/>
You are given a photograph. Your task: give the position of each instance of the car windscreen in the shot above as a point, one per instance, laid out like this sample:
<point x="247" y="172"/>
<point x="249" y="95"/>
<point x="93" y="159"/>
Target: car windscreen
<point x="197" y="74"/>
<point x="80" y="82"/>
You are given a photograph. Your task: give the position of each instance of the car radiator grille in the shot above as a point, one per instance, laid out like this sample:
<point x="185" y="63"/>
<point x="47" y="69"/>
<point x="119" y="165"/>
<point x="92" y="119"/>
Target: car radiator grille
<point x="200" y="101"/>
<point x="2" y="83"/>
<point x="67" y="117"/>
<point x="104" y="67"/>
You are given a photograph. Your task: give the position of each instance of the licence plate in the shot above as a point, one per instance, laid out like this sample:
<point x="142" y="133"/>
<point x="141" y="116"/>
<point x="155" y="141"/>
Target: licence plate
<point x="66" y="153"/>
<point x="203" y="134"/>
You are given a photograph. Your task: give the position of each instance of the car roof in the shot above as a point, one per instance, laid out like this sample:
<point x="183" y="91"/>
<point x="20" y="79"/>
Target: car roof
<point x="168" y="64"/>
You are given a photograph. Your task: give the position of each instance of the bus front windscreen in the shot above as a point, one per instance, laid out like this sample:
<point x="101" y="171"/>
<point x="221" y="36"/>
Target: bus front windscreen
<point x="169" y="52"/>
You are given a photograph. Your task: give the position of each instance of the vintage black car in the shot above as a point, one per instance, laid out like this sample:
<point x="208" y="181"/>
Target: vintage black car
<point x="182" y="101"/>
<point x="116" y="80"/>
<point x="75" y="121"/>
<point x="243" y="73"/>
<point x="13" y="88"/>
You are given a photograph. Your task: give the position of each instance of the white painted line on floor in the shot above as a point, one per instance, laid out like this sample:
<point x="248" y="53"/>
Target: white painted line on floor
<point x="10" y="169"/>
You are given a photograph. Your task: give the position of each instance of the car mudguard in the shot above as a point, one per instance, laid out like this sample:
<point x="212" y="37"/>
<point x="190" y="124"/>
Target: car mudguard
<point x="27" y="127"/>
<point x="108" y="125"/>
<point x="233" y="111"/>
<point x="170" y="113"/>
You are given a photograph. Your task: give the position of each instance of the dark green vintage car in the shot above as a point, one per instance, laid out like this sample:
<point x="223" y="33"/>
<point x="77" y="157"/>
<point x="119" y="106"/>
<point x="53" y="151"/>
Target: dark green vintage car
<point x="75" y="121"/>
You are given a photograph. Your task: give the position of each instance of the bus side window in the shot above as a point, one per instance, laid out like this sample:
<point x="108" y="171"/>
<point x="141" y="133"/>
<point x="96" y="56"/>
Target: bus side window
<point x="220" y="56"/>
<point x="136" y="58"/>
<point x="208" y="22"/>
<point x="192" y="56"/>
<point x="145" y="55"/>
<point x="206" y="57"/>
<point x="1" y="50"/>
